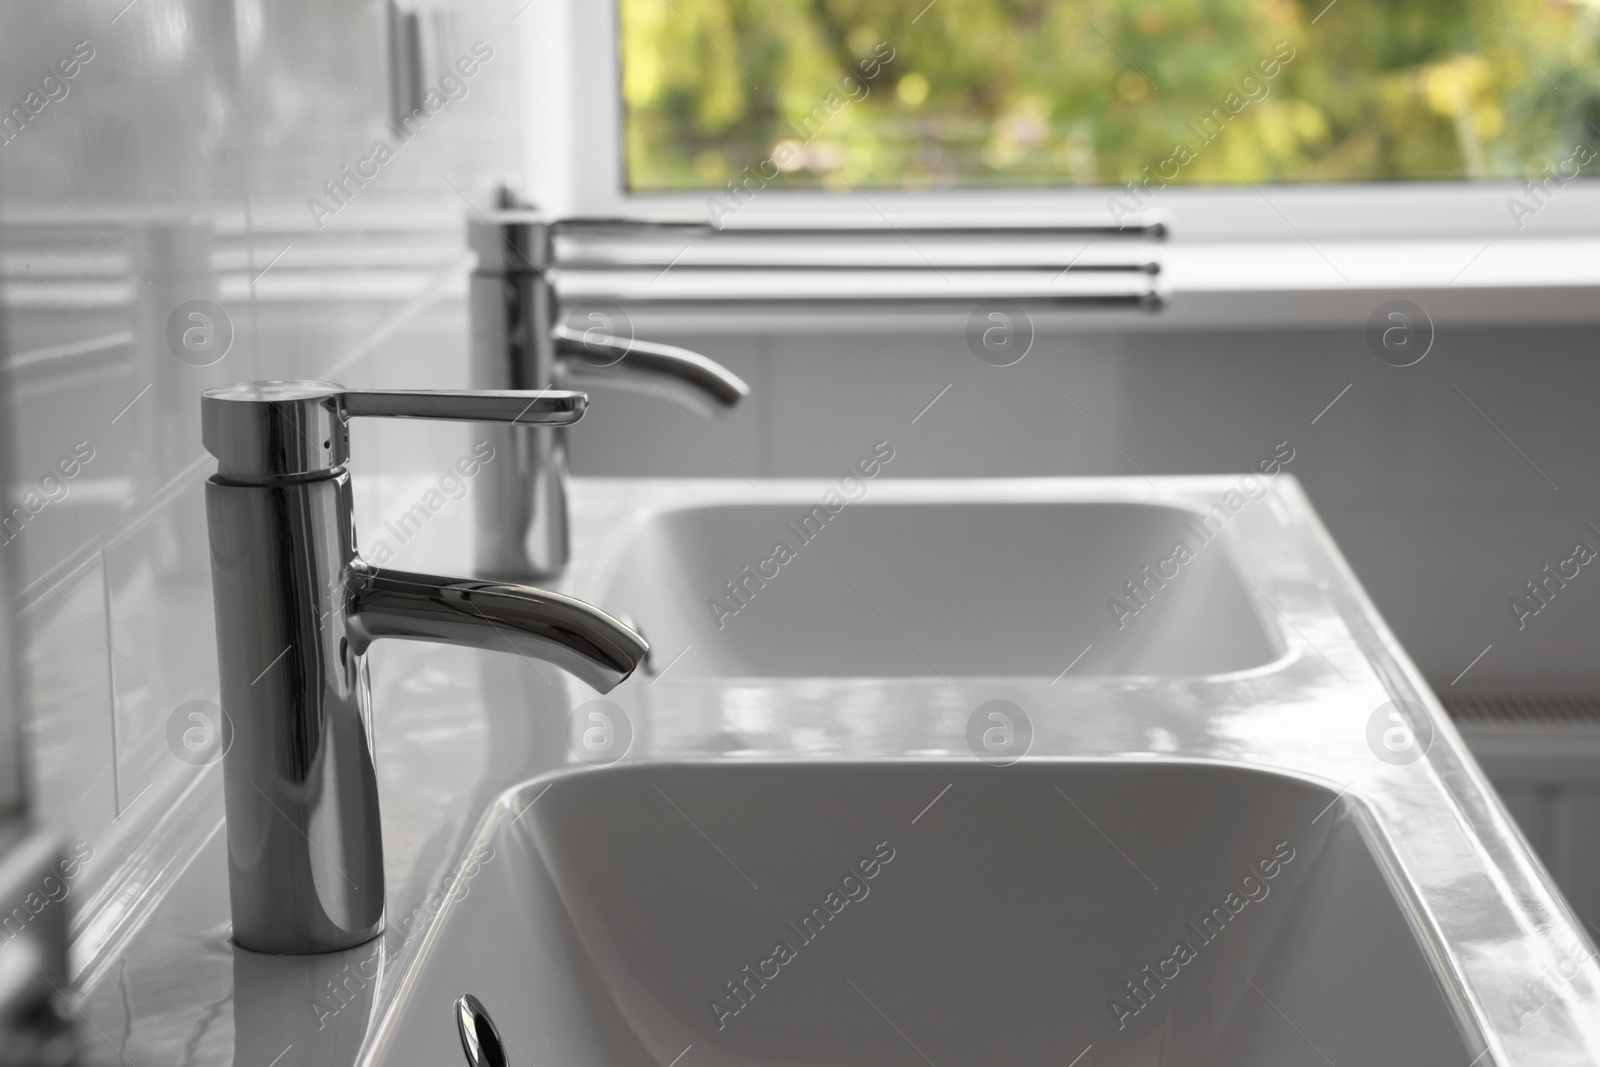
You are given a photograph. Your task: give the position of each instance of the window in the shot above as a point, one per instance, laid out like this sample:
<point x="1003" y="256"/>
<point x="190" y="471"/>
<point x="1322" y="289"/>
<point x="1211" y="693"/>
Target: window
<point x="1048" y="93"/>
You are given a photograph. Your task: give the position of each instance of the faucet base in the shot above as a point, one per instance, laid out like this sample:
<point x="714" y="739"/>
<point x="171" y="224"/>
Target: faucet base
<point x="305" y="845"/>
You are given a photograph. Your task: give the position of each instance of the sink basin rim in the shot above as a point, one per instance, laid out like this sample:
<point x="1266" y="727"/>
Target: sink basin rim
<point x="675" y="534"/>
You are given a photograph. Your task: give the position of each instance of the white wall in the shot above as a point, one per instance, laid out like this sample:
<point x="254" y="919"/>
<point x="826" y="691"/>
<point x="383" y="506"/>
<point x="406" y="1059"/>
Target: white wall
<point x="178" y="167"/>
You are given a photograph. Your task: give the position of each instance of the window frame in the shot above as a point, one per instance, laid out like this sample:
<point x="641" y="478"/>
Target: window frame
<point x="575" y="168"/>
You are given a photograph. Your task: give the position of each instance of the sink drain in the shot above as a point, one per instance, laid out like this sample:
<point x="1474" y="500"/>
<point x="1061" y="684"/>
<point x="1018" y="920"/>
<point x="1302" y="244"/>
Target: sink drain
<point x="479" y="1038"/>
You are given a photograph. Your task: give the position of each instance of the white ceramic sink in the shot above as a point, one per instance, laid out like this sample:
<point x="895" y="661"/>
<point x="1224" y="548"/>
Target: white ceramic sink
<point x="1002" y="925"/>
<point x="1224" y="732"/>
<point x="952" y="588"/>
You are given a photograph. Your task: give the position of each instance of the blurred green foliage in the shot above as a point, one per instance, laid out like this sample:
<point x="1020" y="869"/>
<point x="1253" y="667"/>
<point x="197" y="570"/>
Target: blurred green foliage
<point x="1092" y="92"/>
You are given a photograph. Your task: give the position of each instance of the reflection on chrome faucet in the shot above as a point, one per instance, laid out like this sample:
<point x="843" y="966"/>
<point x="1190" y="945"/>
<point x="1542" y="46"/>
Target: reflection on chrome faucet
<point x="296" y="610"/>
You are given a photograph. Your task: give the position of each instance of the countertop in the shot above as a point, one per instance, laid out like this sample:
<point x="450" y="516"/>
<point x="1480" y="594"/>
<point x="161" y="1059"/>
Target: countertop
<point x="454" y="729"/>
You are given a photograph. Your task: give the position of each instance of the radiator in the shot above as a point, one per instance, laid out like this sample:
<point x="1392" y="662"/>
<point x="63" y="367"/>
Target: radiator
<point x="1541" y="749"/>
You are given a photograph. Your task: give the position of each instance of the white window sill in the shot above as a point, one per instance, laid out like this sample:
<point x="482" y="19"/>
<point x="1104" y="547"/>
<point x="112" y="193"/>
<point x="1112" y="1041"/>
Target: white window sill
<point x="1520" y="280"/>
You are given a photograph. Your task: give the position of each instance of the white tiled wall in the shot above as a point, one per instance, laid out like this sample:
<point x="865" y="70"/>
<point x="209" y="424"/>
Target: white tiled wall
<point x="177" y="167"/>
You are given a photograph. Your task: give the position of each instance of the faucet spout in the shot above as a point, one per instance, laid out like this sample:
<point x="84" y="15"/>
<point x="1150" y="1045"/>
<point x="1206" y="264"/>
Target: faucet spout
<point x="589" y="358"/>
<point x="495" y="616"/>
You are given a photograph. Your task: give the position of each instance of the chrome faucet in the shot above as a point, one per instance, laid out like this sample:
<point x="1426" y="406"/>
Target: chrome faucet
<point x="517" y="343"/>
<point x="296" y="609"/>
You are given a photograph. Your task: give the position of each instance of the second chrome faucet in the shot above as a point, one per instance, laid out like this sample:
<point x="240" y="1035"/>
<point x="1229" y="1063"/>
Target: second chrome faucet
<point x="518" y="342"/>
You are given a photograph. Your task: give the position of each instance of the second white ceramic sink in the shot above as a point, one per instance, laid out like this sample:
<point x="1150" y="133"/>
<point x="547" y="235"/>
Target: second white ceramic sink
<point x="942" y="587"/>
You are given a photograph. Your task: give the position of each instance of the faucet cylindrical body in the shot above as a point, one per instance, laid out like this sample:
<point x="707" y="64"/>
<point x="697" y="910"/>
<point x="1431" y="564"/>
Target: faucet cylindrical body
<point x="522" y="513"/>
<point x="305" y="847"/>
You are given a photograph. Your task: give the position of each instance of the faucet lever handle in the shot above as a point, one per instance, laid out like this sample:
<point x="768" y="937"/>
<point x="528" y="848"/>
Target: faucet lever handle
<point x="264" y="431"/>
<point x="542" y="407"/>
